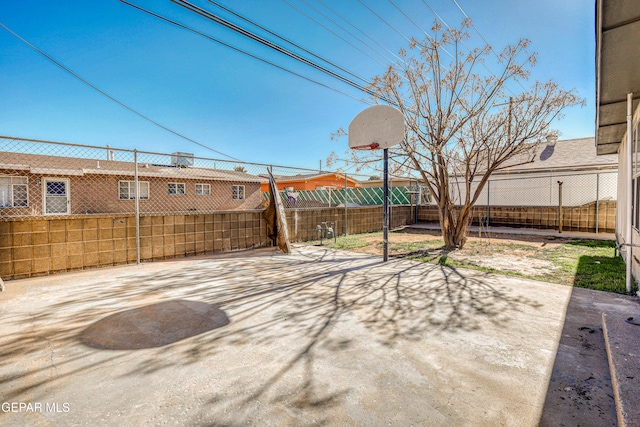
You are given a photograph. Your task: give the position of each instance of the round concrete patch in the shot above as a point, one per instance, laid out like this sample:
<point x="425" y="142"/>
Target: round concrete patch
<point x="153" y="325"/>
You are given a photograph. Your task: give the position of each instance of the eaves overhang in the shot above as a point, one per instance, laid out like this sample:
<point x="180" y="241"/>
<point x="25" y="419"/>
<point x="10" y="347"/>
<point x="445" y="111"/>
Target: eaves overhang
<point x="617" y="69"/>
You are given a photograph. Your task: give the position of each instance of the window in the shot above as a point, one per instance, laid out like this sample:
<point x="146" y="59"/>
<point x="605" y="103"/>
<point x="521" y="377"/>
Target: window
<point x="13" y="192"/>
<point x="128" y="190"/>
<point x="237" y="192"/>
<point x="176" y="188"/>
<point x="203" y="189"/>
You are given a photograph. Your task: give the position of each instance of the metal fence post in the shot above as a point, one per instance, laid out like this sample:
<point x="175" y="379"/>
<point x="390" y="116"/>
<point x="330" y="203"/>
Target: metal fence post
<point x="560" y="206"/>
<point x="345" y="205"/>
<point x="488" y="201"/>
<point x="137" y="186"/>
<point x="390" y="202"/>
<point x="597" y="199"/>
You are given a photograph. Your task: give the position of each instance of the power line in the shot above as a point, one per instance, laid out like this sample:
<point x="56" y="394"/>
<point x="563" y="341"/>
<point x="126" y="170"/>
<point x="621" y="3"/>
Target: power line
<point x="226" y="9"/>
<point x="240" y="50"/>
<point x="383" y="20"/>
<point x="218" y="20"/>
<point x="469" y="49"/>
<point x="473" y="25"/>
<point x="122" y="104"/>
<point x="409" y="18"/>
<point x="339" y="36"/>
<point x="351" y="34"/>
<point x="419" y="27"/>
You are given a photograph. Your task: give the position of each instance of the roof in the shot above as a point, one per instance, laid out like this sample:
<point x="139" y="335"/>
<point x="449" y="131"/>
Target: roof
<point x="73" y="166"/>
<point x="307" y="177"/>
<point x="570" y="154"/>
<point x="374" y="183"/>
<point x="617" y="65"/>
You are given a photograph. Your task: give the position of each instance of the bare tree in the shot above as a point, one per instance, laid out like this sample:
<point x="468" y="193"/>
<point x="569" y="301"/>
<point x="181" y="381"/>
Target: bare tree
<point x="461" y="123"/>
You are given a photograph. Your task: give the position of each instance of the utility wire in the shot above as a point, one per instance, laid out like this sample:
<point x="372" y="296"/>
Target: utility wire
<point x="336" y="34"/>
<point x="383" y="20"/>
<point x="409" y="18"/>
<point x="361" y="32"/>
<point x="470" y="50"/>
<point x="218" y="20"/>
<point x="483" y="39"/>
<point x="122" y="104"/>
<point x="244" y="18"/>
<point x="240" y="50"/>
<point x="419" y="27"/>
<point x="350" y="33"/>
<point x="473" y="25"/>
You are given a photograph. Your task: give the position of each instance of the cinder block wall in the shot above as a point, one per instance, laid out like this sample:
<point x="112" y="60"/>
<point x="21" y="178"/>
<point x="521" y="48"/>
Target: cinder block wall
<point x="581" y="218"/>
<point x="41" y="246"/>
<point x="302" y="223"/>
<point x="44" y="246"/>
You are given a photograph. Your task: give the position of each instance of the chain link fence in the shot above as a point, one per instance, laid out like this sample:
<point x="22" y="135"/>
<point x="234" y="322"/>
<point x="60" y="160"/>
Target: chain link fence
<point x="52" y="179"/>
<point x="578" y="200"/>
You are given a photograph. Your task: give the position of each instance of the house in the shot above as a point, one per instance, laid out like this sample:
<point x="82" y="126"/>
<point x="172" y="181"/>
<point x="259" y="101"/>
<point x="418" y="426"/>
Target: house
<point x="36" y="184"/>
<point x="618" y="114"/>
<point x="533" y="180"/>
<point x="557" y="183"/>
<point x="585" y="176"/>
<point x="315" y="181"/>
<point x="393" y="182"/>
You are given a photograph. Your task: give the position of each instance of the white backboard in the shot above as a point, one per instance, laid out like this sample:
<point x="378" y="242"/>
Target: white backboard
<point x="377" y="127"/>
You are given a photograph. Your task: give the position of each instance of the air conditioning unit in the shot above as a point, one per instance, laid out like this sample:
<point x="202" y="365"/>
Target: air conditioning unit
<point x="182" y="160"/>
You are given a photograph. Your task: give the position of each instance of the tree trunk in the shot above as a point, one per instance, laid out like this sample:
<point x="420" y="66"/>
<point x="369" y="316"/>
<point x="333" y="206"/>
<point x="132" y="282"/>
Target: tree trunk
<point x="454" y="230"/>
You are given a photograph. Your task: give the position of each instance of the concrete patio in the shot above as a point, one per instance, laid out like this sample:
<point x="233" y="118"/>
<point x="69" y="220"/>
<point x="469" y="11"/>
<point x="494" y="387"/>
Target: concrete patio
<point x="319" y="337"/>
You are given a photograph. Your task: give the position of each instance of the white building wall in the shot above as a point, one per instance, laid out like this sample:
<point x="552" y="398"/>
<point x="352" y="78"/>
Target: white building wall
<point x="623" y="223"/>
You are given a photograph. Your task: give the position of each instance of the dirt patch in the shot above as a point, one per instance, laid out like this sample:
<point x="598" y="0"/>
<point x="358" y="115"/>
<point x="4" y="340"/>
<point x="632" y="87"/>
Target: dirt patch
<point x="515" y="263"/>
<point x="474" y="237"/>
<point x="503" y="252"/>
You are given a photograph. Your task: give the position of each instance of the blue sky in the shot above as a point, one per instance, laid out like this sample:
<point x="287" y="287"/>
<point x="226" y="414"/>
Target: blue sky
<point x="229" y="101"/>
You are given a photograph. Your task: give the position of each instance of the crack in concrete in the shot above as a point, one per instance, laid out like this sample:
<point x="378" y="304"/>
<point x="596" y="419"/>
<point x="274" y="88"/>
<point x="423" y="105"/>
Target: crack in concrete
<point x="51" y="351"/>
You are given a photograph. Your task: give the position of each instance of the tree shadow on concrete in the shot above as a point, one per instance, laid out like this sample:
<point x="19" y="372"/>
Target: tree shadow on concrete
<point x="283" y="311"/>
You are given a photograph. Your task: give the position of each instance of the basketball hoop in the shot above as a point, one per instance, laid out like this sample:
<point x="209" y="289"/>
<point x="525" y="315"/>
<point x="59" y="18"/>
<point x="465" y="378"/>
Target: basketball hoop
<point x="372" y="146"/>
<point x="378" y="127"/>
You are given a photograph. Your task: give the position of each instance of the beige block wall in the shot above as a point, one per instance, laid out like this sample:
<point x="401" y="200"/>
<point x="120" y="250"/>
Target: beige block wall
<point x="582" y="218"/>
<point x="302" y="223"/>
<point x="35" y="247"/>
<point x="44" y="246"/>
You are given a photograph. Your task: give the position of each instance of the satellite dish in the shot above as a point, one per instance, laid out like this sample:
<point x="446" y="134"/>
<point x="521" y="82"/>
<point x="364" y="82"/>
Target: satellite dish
<point x="376" y="128"/>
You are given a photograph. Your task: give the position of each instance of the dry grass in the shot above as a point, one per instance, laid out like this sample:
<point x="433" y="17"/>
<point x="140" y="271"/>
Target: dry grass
<point x="574" y="262"/>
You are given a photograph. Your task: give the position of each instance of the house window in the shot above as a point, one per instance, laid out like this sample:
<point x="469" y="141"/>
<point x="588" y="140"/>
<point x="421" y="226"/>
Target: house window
<point x="237" y="192"/>
<point x="128" y="190"/>
<point x="203" y="189"/>
<point x="176" y="188"/>
<point x="13" y="192"/>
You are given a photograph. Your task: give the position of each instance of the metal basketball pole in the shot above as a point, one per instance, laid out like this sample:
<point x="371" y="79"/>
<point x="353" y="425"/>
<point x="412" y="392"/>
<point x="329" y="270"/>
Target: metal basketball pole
<point x="385" y="224"/>
<point x="378" y="127"/>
